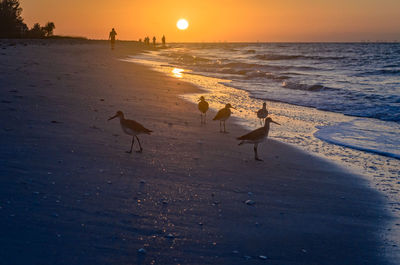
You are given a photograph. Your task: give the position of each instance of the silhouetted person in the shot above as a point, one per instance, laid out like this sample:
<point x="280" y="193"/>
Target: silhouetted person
<point x="112" y="38"/>
<point x="163" y="40"/>
<point x="154" y="41"/>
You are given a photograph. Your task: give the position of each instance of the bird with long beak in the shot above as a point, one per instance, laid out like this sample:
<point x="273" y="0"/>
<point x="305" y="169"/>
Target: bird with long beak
<point x="203" y="107"/>
<point x="257" y="136"/>
<point x="223" y="115"/>
<point x="262" y="113"/>
<point x="131" y="127"/>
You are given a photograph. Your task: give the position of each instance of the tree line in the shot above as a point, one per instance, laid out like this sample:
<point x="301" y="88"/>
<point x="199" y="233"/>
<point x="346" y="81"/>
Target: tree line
<point x="12" y="24"/>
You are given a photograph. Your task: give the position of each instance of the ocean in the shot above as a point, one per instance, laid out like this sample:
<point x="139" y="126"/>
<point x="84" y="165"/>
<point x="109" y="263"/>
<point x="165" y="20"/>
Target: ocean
<point x="340" y="101"/>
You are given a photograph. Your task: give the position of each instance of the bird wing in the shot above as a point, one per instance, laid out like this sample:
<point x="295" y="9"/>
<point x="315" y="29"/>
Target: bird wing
<point x="203" y="106"/>
<point x="222" y="113"/>
<point x="219" y="115"/>
<point x="253" y="135"/>
<point x="134" y="125"/>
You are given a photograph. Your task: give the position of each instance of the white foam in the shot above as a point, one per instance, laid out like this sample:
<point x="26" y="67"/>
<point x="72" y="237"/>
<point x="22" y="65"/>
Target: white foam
<point x="369" y="135"/>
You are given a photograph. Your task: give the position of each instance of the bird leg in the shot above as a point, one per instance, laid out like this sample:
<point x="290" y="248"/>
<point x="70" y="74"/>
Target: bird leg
<point x="205" y="116"/>
<point x="224" y="128"/>
<point x="141" y="149"/>
<point x="201" y="118"/>
<point x="256" y="154"/>
<point x="133" y="141"/>
<point x="220" y="126"/>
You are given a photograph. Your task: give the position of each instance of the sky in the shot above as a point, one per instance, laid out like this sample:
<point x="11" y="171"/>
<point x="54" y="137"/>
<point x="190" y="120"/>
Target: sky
<point x="216" y="21"/>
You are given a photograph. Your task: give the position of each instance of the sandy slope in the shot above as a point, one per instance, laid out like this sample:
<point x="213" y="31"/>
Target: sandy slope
<point x="69" y="194"/>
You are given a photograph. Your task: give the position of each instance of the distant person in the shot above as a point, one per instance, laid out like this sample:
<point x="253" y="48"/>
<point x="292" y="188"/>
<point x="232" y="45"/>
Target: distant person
<point x="140" y="40"/>
<point x="154" y="41"/>
<point x="112" y="38"/>
<point x="163" y="40"/>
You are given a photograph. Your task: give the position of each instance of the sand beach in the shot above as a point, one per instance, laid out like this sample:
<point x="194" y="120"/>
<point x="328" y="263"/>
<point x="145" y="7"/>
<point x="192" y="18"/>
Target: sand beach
<point x="69" y="194"/>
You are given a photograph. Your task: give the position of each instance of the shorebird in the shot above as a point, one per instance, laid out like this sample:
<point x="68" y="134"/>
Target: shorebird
<point x="223" y="115"/>
<point x="203" y="107"/>
<point x="262" y="113"/>
<point x="257" y="136"/>
<point x="131" y="127"/>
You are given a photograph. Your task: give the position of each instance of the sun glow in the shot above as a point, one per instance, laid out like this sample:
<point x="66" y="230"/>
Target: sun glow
<point x="182" y="24"/>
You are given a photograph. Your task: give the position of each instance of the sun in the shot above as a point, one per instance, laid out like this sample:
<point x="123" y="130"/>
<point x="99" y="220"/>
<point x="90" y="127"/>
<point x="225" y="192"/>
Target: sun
<point x="182" y="24"/>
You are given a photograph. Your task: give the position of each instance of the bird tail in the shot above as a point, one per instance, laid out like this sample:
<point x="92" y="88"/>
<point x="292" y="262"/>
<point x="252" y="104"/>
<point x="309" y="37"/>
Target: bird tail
<point x="242" y="142"/>
<point x="148" y="131"/>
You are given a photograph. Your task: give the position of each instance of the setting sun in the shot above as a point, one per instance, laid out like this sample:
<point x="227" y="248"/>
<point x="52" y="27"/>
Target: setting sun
<point x="182" y="24"/>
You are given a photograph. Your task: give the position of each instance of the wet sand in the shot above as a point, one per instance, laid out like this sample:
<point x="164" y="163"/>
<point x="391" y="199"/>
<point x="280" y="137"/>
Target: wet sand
<point x="69" y="194"/>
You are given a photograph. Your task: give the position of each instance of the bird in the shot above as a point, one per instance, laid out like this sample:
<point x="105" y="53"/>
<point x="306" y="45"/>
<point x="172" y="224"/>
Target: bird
<point x="203" y="107"/>
<point x="257" y="136"/>
<point x="131" y="127"/>
<point x="262" y="113"/>
<point x="223" y="115"/>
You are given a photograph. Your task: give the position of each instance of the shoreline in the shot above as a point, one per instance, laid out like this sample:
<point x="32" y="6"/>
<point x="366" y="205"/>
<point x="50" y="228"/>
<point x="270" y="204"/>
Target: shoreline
<point x="187" y="175"/>
<point x="302" y="127"/>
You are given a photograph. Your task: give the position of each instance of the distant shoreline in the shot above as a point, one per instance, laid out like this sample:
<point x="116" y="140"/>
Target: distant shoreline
<point x="60" y="37"/>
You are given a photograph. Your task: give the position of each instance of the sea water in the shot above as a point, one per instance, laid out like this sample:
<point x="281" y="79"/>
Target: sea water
<point x="340" y="101"/>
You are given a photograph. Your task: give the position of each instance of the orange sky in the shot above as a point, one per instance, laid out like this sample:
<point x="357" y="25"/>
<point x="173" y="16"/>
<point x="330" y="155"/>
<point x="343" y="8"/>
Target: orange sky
<point x="213" y="20"/>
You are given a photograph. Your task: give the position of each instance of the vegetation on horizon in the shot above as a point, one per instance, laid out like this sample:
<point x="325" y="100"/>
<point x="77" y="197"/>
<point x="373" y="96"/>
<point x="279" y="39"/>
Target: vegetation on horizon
<point x="12" y="24"/>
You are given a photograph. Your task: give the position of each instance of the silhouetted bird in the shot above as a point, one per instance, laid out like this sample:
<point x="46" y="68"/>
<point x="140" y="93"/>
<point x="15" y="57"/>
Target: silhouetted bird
<point x="262" y="113"/>
<point x="203" y="107"/>
<point x="223" y="115"/>
<point x="131" y="127"/>
<point x="257" y="136"/>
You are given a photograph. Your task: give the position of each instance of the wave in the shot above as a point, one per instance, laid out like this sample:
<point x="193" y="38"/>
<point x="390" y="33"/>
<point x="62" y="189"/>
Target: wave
<point x="366" y="135"/>
<point x="188" y="59"/>
<point x="381" y="72"/>
<point x="262" y="74"/>
<point x="238" y="66"/>
<point x="277" y="57"/>
<point x="273" y="57"/>
<point x="250" y="51"/>
<point x="299" y="86"/>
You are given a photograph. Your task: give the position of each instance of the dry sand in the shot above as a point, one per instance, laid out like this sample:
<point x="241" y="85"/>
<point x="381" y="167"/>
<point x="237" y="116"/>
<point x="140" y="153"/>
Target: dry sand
<point x="69" y="194"/>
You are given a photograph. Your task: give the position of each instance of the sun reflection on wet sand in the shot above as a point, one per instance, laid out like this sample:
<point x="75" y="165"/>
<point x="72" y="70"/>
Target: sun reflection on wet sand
<point x="177" y="72"/>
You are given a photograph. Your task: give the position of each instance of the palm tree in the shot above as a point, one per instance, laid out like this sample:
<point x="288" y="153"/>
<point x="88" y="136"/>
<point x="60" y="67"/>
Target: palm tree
<point x="49" y="28"/>
<point x="11" y="22"/>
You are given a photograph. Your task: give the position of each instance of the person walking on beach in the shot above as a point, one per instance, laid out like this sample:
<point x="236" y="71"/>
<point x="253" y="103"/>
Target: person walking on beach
<point x="112" y="38"/>
<point x="163" y="40"/>
<point x="154" y="40"/>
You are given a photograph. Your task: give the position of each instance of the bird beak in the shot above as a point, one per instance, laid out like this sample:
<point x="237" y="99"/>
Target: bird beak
<point x="112" y="117"/>
<point x="233" y="107"/>
<point x="275" y="122"/>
